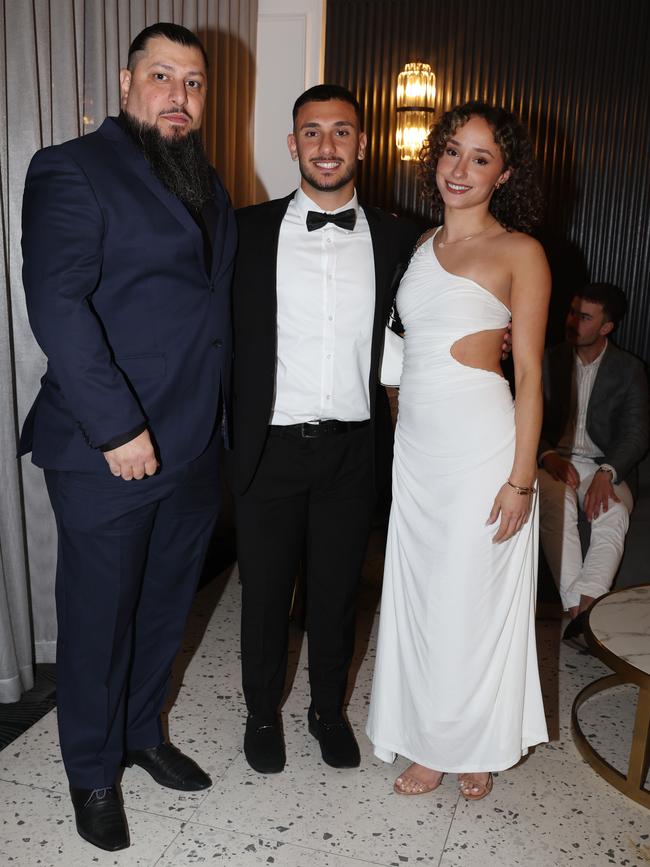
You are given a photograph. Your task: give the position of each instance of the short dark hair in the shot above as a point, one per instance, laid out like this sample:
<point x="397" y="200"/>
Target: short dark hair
<point x="610" y="297"/>
<point x="173" y="32"/>
<point x="325" y="92"/>
<point x="516" y="204"/>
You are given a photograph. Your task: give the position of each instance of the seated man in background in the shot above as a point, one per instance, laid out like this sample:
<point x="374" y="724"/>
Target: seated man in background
<point x="594" y="434"/>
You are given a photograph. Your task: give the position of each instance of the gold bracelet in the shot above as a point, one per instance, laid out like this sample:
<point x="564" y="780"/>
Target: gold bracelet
<point x="525" y="492"/>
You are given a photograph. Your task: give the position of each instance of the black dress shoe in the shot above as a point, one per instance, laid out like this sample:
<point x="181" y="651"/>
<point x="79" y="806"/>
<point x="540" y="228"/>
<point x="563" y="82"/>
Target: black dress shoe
<point x="338" y="744"/>
<point x="169" y="767"/>
<point x="100" y="817"/>
<point x="264" y="745"/>
<point x="574" y="632"/>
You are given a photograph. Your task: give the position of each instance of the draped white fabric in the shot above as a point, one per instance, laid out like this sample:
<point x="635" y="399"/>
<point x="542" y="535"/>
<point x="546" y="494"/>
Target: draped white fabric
<point x="456" y="684"/>
<point x="60" y="63"/>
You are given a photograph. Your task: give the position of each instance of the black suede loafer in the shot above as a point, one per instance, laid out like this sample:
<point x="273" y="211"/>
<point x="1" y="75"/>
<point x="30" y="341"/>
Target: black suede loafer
<point x="170" y="768"/>
<point x="574" y="632"/>
<point x="338" y="744"/>
<point x="100" y="817"/>
<point x="264" y="745"/>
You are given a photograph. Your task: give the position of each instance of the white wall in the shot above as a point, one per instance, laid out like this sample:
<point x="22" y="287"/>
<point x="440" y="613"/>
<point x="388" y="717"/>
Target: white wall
<point x="290" y="37"/>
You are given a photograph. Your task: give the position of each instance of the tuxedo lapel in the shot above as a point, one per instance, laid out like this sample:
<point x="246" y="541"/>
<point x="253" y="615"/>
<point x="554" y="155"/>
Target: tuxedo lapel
<point x="267" y="237"/>
<point x="379" y="248"/>
<point x="382" y="277"/>
<point x="267" y="242"/>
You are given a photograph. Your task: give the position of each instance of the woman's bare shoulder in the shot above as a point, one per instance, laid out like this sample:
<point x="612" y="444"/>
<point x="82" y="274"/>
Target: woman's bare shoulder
<point x="520" y="244"/>
<point x="529" y="269"/>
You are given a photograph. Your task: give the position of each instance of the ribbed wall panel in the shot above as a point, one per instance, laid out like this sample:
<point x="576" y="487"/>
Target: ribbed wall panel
<point x="578" y="74"/>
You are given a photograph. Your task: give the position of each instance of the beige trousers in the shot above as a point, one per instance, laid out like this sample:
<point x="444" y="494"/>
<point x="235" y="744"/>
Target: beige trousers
<point x="558" y="527"/>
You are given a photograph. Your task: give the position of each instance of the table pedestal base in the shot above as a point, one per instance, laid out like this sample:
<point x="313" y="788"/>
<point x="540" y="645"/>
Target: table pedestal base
<point x="631" y="785"/>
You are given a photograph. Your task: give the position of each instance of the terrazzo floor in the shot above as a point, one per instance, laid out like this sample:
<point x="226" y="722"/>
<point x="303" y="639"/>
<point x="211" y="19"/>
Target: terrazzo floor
<point x="551" y="810"/>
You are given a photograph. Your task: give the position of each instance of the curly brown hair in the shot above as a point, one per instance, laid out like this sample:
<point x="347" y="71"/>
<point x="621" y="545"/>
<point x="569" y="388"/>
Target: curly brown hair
<point x="517" y="204"/>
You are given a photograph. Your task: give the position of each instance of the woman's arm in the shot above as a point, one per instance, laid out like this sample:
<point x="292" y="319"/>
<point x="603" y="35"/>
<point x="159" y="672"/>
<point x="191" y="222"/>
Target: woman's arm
<point x="529" y="297"/>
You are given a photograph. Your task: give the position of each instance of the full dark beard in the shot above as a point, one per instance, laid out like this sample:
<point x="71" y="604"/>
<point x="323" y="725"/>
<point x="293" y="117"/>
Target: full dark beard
<point x="179" y="162"/>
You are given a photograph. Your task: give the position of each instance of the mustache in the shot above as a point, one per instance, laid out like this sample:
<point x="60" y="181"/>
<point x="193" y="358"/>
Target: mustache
<point x="173" y="110"/>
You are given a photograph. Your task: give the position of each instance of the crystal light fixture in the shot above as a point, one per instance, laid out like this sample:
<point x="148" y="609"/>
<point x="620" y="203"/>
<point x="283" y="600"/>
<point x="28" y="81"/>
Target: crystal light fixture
<point x="416" y="94"/>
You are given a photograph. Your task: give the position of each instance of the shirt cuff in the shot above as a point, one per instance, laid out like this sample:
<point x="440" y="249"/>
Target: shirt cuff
<point x="122" y="439"/>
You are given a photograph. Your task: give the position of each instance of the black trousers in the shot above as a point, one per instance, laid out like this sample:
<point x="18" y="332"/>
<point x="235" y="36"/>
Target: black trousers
<point x="129" y="559"/>
<point x="311" y="499"/>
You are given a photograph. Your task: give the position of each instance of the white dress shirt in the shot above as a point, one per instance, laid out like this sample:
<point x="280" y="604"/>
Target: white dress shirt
<point x="326" y="303"/>
<point x="575" y="441"/>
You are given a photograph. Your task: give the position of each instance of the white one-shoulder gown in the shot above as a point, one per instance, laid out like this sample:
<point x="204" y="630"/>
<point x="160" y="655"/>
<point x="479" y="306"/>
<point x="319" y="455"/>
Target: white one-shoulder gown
<point x="456" y="684"/>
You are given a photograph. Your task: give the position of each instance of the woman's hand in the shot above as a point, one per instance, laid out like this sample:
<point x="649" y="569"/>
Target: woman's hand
<point x="514" y="509"/>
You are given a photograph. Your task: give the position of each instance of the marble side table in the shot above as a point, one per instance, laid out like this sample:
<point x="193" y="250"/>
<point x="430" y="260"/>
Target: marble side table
<point x="618" y="632"/>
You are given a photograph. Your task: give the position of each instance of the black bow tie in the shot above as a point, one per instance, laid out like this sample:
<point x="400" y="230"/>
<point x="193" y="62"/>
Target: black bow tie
<point x="344" y="219"/>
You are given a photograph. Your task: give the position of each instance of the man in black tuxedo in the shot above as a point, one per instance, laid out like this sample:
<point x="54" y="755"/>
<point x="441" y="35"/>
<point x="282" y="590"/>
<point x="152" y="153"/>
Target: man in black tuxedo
<point x="128" y="249"/>
<point x="314" y="281"/>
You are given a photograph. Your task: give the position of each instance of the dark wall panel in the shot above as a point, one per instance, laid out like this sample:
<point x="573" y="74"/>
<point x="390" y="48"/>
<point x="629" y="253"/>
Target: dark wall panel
<point x="576" y="71"/>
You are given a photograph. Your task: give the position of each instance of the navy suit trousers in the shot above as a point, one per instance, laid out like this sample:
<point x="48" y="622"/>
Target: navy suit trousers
<point x="129" y="558"/>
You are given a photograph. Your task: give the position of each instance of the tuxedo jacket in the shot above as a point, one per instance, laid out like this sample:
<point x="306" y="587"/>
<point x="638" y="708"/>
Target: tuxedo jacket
<point x="134" y="328"/>
<point x="617" y="415"/>
<point x="255" y="320"/>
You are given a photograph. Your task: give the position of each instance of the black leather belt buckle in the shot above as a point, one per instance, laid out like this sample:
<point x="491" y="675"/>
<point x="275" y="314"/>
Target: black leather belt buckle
<point x="311" y="431"/>
<point x="315" y="430"/>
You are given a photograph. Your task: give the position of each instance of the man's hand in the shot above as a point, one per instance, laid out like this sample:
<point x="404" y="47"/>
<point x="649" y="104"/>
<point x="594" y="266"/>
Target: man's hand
<point x="561" y="470"/>
<point x="506" y="346"/>
<point x="599" y="493"/>
<point x="134" y="460"/>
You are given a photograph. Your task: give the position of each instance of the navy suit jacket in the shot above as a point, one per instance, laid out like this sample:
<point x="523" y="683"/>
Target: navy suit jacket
<point x="134" y="328"/>
<point x="255" y="320"/>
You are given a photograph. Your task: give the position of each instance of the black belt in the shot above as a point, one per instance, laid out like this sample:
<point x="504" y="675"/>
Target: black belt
<point x="314" y="429"/>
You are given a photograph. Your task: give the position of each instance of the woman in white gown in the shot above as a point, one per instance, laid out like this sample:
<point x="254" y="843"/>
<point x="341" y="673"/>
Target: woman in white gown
<point x="456" y="685"/>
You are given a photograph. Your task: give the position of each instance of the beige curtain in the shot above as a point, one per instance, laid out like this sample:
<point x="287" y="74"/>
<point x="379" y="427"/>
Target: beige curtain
<point x="60" y="61"/>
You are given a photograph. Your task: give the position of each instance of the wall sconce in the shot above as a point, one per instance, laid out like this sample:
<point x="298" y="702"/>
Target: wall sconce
<point x="416" y="94"/>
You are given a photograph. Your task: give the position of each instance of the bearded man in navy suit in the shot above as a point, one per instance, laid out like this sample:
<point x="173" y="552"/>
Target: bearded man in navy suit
<point x="128" y="246"/>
